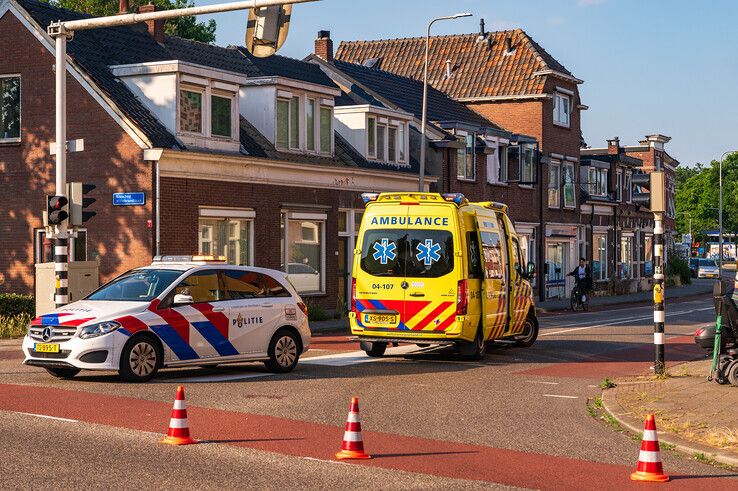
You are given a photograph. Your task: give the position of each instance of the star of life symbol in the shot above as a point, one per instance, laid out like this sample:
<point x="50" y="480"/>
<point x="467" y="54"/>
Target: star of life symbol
<point x="384" y="251"/>
<point x="428" y="252"/>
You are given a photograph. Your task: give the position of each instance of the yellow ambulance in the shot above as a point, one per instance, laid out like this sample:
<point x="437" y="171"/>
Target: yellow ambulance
<point x="436" y="269"/>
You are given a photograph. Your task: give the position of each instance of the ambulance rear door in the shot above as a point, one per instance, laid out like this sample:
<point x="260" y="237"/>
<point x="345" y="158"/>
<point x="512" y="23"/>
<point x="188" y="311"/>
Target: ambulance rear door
<point x="495" y="279"/>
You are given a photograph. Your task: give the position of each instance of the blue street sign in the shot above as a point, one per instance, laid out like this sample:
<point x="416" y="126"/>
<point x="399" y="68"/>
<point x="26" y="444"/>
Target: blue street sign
<point x="129" y="199"/>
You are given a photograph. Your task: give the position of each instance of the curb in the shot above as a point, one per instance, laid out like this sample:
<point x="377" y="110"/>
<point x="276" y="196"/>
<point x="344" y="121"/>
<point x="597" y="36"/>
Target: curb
<point x="617" y="300"/>
<point x="680" y="445"/>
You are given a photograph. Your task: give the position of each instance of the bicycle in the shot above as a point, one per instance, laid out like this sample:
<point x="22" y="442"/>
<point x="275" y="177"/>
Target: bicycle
<point x="578" y="300"/>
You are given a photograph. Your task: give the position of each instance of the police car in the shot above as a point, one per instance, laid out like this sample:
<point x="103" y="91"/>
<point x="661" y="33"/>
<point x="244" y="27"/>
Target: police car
<point x="179" y="311"/>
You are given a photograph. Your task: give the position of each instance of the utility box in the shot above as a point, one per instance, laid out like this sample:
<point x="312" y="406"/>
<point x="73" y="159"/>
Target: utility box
<point x="84" y="277"/>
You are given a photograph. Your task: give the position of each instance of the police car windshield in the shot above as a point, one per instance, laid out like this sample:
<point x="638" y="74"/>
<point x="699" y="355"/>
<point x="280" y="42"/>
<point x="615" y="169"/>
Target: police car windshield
<point x="138" y="285"/>
<point x="412" y="253"/>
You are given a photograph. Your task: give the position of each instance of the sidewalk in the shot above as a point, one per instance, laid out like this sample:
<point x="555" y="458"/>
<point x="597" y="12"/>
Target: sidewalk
<point x="693" y="416"/>
<point x="697" y="287"/>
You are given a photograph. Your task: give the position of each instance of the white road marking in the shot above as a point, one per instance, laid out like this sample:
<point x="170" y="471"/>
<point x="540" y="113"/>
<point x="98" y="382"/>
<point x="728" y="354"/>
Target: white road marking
<point x="354" y="357"/>
<point x="48" y="417"/>
<point x="621" y="321"/>
<point x="542" y="382"/>
<point x="326" y="461"/>
<point x="560" y="396"/>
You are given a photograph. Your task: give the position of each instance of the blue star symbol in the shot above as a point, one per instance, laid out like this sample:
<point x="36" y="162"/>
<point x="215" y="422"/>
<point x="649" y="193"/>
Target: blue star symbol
<point x="384" y="250"/>
<point x="428" y="252"/>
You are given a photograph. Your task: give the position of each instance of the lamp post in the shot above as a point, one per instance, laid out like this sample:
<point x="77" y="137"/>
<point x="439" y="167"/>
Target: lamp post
<point x="720" y="216"/>
<point x="421" y="177"/>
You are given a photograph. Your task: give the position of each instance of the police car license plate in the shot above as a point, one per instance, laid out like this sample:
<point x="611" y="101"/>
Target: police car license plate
<point x="380" y="319"/>
<point x="46" y="348"/>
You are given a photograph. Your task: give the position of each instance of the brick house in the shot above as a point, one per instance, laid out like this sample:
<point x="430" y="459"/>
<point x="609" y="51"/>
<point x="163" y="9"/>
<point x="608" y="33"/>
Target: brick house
<point x="511" y="80"/>
<point x="236" y="155"/>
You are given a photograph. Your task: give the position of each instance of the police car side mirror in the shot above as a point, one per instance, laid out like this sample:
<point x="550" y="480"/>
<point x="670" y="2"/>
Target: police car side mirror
<point x="180" y="299"/>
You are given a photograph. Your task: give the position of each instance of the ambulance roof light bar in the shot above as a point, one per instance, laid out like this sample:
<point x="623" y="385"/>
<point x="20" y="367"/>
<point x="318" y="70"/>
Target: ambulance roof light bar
<point x="189" y="259"/>
<point x="457" y="198"/>
<point x="369" y="197"/>
<point x="495" y="205"/>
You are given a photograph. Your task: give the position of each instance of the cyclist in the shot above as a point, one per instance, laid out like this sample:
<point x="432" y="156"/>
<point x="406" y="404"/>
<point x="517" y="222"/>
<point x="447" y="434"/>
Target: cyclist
<point x="583" y="278"/>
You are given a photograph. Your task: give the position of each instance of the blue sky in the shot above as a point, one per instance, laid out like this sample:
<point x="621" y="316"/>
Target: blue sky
<point x="666" y="66"/>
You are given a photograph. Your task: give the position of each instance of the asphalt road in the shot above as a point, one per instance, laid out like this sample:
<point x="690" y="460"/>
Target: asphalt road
<point x="517" y="418"/>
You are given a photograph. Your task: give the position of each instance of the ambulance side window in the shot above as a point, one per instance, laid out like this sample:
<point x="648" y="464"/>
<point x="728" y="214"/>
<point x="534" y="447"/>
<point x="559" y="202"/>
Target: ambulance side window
<point x="516" y="256"/>
<point x="475" y="259"/>
<point x="492" y="252"/>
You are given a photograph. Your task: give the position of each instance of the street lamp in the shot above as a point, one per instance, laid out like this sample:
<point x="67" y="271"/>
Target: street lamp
<point x="720" y="215"/>
<point x="421" y="180"/>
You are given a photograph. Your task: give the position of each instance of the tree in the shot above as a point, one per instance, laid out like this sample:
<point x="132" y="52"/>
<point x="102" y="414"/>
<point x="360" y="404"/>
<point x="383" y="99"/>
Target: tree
<point x="185" y="27"/>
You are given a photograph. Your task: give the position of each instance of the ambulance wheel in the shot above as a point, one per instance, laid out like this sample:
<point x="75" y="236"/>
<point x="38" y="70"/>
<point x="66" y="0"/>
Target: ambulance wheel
<point x="374" y="349"/>
<point x="140" y="359"/>
<point x="63" y="372"/>
<point x="732" y="373"/>
<point x="476" y="349"/>
<point x="530" y="333"/>
<point x="284" y="352"/>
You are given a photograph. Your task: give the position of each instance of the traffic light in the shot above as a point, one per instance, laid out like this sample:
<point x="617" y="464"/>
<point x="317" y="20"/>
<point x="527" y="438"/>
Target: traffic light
<point x="55" y="209"/>
<point x="78" y="202"/>
<point x="652" y="194"/>
<point x="266" y="29"/>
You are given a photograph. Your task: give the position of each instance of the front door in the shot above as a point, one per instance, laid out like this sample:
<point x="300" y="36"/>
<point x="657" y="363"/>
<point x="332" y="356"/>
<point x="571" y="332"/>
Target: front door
<point x="556" y="265"/>
<point x="494" y="282"/>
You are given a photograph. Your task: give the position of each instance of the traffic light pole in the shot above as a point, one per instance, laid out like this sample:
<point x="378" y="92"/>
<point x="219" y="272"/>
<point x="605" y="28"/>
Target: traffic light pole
<point x="658" y="293"/>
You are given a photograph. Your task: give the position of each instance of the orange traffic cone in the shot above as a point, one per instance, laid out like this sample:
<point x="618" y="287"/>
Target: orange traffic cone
<point x="649" y="460"/>
<point x="353" y="446"/>
<point x="179" y="430"/>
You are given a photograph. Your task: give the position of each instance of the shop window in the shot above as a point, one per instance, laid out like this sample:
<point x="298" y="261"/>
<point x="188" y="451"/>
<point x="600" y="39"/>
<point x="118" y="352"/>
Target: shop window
<point x="303" y="249"/>
<point x="231" y="237"/>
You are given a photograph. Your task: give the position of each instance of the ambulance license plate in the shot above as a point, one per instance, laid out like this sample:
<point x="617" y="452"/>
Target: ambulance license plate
<point x="46" y="348"/>
<point x="380" y="319"/>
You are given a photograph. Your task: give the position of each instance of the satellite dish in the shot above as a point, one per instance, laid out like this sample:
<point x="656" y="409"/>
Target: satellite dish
<point x="266" y="29"/>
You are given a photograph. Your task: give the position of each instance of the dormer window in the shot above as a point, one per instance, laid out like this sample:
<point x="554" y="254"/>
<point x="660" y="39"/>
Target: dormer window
<point x="304" y="123"/>
<point x="207" y="112"/>
<point x="221" y="110"/>
<point x="190" y="110"/>
<point x="562" y="109"/>
<point x="386" y="139"/>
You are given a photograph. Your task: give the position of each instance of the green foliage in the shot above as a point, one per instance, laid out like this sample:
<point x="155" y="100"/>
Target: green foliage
<point x="697" y="190"/>
<point x="14" y="326"/>
<point x="317" y="313"/>
<point x="680" y="267"/>
<point x="607" y="384"/>
<point x="12" y="304"/>
<point x="184" y="27"/>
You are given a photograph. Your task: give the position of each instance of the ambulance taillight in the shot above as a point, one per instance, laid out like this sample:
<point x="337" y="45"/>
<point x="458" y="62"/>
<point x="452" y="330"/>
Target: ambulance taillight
<point x="353" y="294"/>
<point x="461" y="301"/>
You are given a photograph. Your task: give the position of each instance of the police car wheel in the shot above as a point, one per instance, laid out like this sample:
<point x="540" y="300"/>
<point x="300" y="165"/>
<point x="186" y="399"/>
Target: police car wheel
<point x="139" y="360"/>
<point x="530" y="333"/>
<point x="63" y="372"/>
<point x="283" y="352"/>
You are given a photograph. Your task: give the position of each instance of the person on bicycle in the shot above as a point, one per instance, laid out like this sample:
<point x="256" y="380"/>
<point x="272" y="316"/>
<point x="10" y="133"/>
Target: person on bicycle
<point x="583" y="277"/>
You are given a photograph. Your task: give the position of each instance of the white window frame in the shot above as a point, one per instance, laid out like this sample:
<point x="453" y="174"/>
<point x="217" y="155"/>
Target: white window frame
<point x="373" y="132"/>
<point x="316" y="124"/>
<point x="234" y="120"/>
<point x="628" y="187"/>
<point x="554" y="187"/>
<point x="392" y="156"/>
<point x="597" y="181"/>
<point x="402" y="135"/>
<point x="595" y="246"/>
<point x="218" y="213"/>
<point x="573" y="184"/>
<point x="20" y="109"/>
<point x="562" y="117"/>
<point x="465" y="138"/>
<point x="383" y="127"/>
<point x="522" y="164"/>
<point x="288" y="215"/>
<point x="318" y="140"/>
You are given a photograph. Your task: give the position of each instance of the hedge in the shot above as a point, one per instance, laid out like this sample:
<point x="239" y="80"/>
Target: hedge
<point x="13" y="304"/>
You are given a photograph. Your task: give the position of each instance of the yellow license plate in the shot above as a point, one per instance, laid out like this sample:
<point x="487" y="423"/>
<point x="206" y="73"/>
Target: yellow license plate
<point x="46" y="348"/>
<point x="380" y="319"/>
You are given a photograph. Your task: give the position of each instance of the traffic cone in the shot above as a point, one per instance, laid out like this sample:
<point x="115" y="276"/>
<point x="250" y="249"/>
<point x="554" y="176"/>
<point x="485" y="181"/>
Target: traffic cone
<point x="353" y="446"/>
<point x="649" y="460"/>
<point x="179" y="430"/>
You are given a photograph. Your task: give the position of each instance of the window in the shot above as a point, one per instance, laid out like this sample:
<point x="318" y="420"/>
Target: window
<point x="283" y="123"/>
<point x="202" y="286"/>
<point x="310" y="124"/>
<point x="295" y="122"/>
<point x="554" y="183"/>
<point x="475" y="259"/>
<point x="626" y="257"/>
<point x="561" y="109"/>
<point x="465" y="162"/>
<point x="392" y="144"/>
<point x="527" y="154"/>
<point x="502" y="174"/>
<point x="190" y="111"/>
<point x="628" y="188"/>
<point x="569" y="196"/>
<point x="401" y="142"/>
<point x="619" y="186"/>
<point x="242" y="284"/>
<point x="326" y="129"/>
<point x="229" y="237"/>
<point x="220" y="114"/>
<point x="648" y="255"/>
<point x="371" y="135"/>
<point x="403" y="253"/>
<point x="599" y="257"/>
<point x="517" y="257"/>
<point x="597" y="184"/>
<point x="10" y="109"/>
<point x="303" y="249"/>
<point x="381" y="141"/>
<point x="137" y="285"/>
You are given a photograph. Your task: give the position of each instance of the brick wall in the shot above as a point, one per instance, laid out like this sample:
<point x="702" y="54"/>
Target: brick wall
<point x="111" y="160"/>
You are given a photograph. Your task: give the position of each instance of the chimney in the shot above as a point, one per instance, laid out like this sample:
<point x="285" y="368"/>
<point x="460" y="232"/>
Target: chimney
<point x="324" y="46"/>
<point x="448" y="69"/>
<point x="482" y="32"/>
<point x="613" y="146"/>
<point x="156" y="27"/>
<point x="508" y="44"/>
<point x="123" y="7"/>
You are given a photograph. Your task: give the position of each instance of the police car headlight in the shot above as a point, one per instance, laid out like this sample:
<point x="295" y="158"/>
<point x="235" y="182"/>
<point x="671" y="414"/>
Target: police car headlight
<point x="98" y="329"/>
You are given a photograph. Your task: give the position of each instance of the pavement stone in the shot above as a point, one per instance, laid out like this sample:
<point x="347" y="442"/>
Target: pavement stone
<point x="690" y="412"/>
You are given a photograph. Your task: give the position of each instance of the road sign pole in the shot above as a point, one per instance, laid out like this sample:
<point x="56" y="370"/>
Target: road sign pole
<point x="658" y="293"/>
<point x="61" y="241"/>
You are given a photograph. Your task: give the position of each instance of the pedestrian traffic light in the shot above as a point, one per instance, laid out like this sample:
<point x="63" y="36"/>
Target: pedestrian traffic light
<point x="78" y="202"/>
<point x="55" y="209"/>
<point x="266" y="29"/>
<point x="651" y="194"/>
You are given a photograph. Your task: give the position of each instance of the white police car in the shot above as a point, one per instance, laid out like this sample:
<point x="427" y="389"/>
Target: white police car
<point x="179" y="311"/>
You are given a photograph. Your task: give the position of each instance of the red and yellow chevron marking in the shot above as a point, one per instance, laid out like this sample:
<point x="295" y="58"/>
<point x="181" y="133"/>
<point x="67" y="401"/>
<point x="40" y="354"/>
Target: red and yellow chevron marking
<point x="433" y="316"/>
<point x="500" y="319"/>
